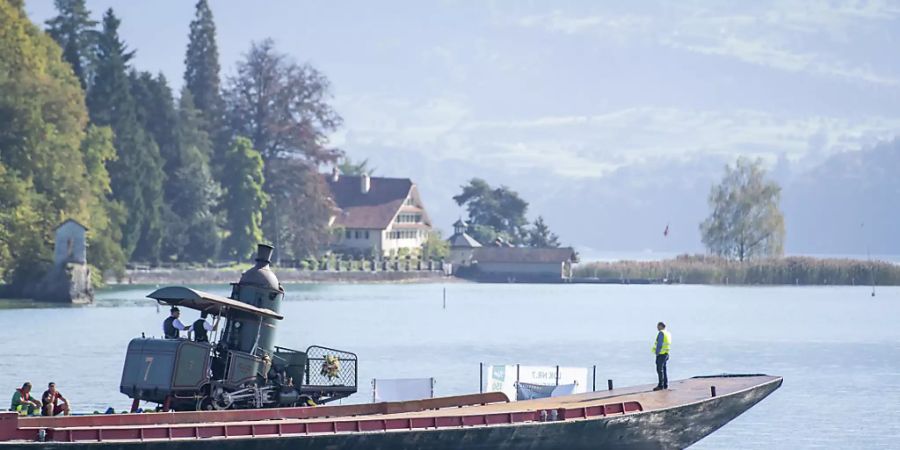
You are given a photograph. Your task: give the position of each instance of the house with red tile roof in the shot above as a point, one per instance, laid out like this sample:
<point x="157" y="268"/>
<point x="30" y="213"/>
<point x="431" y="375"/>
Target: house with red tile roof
<point x="377" y="215"/>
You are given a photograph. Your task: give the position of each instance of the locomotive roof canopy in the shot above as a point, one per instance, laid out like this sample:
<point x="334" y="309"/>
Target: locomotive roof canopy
<point x="204" y="301"/>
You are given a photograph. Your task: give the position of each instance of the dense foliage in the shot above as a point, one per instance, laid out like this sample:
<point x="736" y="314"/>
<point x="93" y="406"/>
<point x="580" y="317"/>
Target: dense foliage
<point x="498" y="215"/>
<point x="155" y="177"/>
<point x="52" y="162"/>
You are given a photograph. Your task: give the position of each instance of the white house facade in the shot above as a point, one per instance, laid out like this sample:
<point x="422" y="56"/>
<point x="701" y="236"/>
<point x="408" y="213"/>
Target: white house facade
<point x="378" y="215"/>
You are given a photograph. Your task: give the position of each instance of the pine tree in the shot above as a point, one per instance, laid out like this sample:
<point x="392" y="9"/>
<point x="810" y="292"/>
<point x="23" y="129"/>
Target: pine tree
<point x="201" y="73"/>
<point x="136" y="175"/>
<point x="541" y="236"/>
<point x="192" y="194"/>
<point x="73" y="29"/>
<point x="155" y="111"/>
<point x="245" y="198"/>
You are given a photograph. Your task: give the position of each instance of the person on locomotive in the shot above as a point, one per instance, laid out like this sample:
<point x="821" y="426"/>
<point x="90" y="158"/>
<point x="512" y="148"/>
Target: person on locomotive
<point x="201" y="327"/>
<point x="172" y="327"/>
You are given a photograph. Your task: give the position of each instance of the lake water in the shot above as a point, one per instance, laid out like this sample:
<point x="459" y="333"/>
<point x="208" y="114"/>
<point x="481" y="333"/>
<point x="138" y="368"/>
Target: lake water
<point x="838" y="348"/>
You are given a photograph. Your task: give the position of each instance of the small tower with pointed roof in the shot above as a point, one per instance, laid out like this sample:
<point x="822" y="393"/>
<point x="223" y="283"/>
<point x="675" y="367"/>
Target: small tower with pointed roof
<point x="462" y="246"/>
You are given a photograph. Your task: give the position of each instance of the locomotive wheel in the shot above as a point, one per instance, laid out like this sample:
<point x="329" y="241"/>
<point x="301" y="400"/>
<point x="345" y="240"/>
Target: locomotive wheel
<point x="205" y="404"/>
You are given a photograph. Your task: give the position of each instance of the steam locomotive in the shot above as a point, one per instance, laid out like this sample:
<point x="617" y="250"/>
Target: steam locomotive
<point x="241" y="367"/>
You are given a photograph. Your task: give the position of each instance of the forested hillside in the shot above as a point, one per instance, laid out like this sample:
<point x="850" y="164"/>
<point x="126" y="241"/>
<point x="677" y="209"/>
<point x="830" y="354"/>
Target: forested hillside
<point x="155" y="176"/>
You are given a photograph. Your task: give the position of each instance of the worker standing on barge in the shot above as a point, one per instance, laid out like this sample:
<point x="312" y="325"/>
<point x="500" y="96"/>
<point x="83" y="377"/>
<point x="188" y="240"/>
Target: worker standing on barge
<point x="661" y="350"/>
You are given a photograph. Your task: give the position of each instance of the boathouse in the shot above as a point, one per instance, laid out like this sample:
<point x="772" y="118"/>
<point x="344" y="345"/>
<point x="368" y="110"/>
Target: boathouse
<point x="523" y="264"/>
<point x="502" y="262"/>
<point x="377" y="216"/>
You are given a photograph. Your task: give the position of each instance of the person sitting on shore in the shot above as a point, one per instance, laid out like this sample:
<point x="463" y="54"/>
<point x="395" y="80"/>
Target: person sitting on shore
<point x="23" y="402"/>
<point x="51" y="399"/>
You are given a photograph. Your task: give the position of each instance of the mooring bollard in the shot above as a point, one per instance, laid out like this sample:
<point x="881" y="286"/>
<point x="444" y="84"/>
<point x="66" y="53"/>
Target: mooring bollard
<point x="609" y="384"/>
<point x="712" y="390"/>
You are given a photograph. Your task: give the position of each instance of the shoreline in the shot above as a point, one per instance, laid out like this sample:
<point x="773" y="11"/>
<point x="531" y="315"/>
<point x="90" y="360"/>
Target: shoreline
<point x="285" y="276"/>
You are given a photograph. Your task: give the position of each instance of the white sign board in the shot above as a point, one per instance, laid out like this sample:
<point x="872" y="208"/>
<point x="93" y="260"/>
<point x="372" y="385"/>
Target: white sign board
<point x="402" y="389"/>
<point x="503" y="378"/>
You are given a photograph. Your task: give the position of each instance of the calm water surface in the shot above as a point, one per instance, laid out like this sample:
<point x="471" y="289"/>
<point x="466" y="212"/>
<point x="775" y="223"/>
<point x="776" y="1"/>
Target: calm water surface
<point x="837" y="347"/>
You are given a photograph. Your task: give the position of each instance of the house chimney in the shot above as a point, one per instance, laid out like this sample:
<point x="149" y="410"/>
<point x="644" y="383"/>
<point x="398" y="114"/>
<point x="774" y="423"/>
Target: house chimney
<point x="335" y="174"/>
<point x="365" y="183"/>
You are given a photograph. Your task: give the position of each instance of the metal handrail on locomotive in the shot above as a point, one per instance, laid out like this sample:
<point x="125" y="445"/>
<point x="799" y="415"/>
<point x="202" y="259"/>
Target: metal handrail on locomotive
<point x="242" y="368"/>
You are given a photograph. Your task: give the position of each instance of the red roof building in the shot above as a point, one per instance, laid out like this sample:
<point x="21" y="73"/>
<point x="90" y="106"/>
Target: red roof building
<point x="378" y="215"/>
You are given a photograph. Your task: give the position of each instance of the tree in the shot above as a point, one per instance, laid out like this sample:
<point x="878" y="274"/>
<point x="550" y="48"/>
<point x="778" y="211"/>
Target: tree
<point x="156" y="113"/>
<point x="300" y="208"/>
<point x="493" y="212"/>
<point x="73" y="29"/>
<point x="540" y="235"/>
<point x="435" y="247"/>
<point x="136" y="175"/>
<point x="201" y="69"/>
<point x="282" y="107"/>
<point x="745" y="221"/>
<point x="191" y="193"/>
<point x="106" y="216"/>
<point x="51" y="168"/>
<point x="348" y="167"/>
<point x="244" y="198"/>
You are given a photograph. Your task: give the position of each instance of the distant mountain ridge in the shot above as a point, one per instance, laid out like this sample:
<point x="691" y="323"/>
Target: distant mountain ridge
<point x="840" y="205"/>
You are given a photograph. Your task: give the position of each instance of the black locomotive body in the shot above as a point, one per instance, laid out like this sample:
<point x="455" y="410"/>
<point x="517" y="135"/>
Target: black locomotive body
<point x="242" y="368"/>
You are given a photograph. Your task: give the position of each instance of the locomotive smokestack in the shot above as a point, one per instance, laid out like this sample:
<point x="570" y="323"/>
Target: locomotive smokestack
<point x="264" y="254"/>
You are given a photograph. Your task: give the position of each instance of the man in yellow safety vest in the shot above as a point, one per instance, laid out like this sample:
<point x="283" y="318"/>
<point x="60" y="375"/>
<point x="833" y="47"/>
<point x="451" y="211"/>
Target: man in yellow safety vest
<point x="661" y="350"/>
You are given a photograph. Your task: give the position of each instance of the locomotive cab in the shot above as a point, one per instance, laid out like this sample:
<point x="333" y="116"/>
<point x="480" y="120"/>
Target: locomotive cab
<point x="241" y="367"/>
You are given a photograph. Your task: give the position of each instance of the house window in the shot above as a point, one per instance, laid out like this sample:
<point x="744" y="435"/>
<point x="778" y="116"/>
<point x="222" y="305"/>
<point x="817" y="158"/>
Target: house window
<point x="367" y="234"/>
<point x="409" y="218"/>
<point x="347" y="234"/>
<point x="356" y="234"/>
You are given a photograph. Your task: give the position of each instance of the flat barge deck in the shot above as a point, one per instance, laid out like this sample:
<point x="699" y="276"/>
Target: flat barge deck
<point x="622" y="418"/>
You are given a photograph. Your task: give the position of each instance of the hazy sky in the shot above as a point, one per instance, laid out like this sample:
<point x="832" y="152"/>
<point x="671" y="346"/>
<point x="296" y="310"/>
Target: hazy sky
<point x="566" y="89"/>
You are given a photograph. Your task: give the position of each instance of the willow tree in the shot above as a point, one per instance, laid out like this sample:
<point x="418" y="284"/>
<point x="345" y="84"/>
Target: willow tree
<point x="745" y="221"/>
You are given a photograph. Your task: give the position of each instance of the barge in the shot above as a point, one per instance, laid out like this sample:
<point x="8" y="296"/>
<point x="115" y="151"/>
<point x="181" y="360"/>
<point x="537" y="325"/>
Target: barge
<point x="622" y="418"/>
